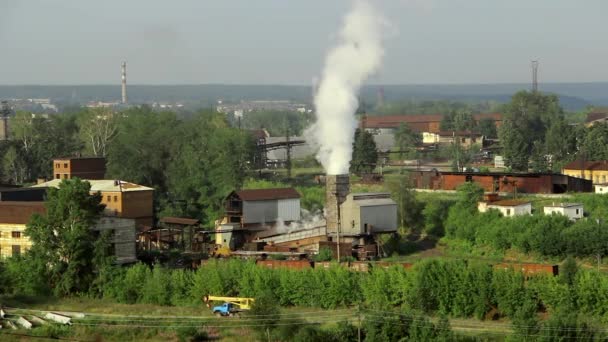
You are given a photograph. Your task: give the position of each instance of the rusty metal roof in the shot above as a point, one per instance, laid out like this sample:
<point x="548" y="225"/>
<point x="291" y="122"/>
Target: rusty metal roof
<point x="267" y="194"/>
<point x="587" y="165"/>
<point x="180" y="220"/>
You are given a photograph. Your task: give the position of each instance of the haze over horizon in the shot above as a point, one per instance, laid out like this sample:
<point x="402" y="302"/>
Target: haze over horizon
<point x="283" y="43"/>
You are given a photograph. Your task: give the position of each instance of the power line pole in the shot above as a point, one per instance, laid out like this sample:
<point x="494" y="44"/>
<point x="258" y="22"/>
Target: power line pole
<point x="535" y="76"/>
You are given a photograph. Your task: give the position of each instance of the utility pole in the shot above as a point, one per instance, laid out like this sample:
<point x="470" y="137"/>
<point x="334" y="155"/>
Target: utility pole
<point x="359" y="323"/>
<point x="338" y="229"/>
<point x="288" y="157"/>
<point x="535" y="76"/>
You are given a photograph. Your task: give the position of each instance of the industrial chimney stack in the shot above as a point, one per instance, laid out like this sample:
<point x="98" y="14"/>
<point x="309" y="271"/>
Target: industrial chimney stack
<point x="337" y="188"/>
<point x="123" y="70"/>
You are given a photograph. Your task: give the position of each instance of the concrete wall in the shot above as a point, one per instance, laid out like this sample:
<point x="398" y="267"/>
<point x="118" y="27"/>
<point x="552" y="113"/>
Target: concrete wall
<point x="601" y="189"/>
<point x="569" y="212"/>
<point x="123" y="239"/>
<point x="138" y="205"/>
<point x="524" y="209"/>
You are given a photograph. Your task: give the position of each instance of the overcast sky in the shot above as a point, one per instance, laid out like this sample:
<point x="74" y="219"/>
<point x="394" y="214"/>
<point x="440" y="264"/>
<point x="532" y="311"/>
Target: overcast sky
<point x="284" y="41"/>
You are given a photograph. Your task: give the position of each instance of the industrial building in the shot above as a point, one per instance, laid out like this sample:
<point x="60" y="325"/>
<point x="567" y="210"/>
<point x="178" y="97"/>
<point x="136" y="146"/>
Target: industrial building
<point x="14" y="216"/>
<point x="122" y="199"/>
<point x="365" y="214"/>
<point x="81" y="167"/>
<point x="595" y="171"/>
<point x="464" y="138"/>
<point x="249" y="213"/>
<point x="418" y="123"/>
<point x="543" y="183"/>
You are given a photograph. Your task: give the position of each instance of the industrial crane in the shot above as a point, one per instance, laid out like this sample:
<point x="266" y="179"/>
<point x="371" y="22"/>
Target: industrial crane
<point x="232" y="306"/>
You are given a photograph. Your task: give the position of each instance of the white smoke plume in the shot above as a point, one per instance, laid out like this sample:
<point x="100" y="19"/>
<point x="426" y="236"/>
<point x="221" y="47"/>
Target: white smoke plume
<point x="357" y="55"/>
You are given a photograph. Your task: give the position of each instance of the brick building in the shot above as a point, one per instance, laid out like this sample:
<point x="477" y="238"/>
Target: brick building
<point x="14" y="216"/>
<point x="81" y="167"/>
<point x="122" y="199"/>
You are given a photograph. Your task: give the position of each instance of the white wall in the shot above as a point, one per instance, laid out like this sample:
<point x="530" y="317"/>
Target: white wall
<point x="569" y="212"/>
<point x="289" y="209"/>
<point x="601" y="189"/>
<point x="513" y="211"/>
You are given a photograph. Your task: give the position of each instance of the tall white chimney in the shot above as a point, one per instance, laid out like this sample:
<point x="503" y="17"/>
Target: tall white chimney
<point x="123" y="70"/>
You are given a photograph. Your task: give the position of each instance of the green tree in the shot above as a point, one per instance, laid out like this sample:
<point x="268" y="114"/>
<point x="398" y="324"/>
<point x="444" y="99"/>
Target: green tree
<point x="365" y="155"/>
<point x="527" y="118"/>
<point x="568" y="270"/>
<point x="97" y="128"/>
<point x="144" y="147"/>
<point x="595" y="143"/>
<point x="409" y="209"/>
<point x="266" y="306"/>
<point x="487" y="128"/>
<point x="62" y="237"/>
<point x="212" y="161"/>
<point x="406" y="139"/>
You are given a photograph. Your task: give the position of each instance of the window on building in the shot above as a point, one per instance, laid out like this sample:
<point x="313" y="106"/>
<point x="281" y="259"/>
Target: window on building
<point x="58" y="165"/>
<point x="597" y="179"/>
<point x="57" y="176"/>
<point x="16" y="235"/>
<point x="508" y="212"/>
<point x="109" y="199"/>
<point x="115" y="198"/>
<point x="16" y="249"/>
<point x="65" y="165"/>
<point x="604" y="179"/>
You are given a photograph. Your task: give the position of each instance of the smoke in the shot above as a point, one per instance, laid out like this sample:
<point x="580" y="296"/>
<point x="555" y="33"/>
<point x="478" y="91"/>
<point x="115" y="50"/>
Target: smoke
<point x="308" y="220"/>
<point x="357" y="55"/>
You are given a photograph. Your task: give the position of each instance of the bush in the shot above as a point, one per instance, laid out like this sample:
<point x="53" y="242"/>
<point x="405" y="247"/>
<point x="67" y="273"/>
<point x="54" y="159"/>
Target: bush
<point x="324" y="254"/>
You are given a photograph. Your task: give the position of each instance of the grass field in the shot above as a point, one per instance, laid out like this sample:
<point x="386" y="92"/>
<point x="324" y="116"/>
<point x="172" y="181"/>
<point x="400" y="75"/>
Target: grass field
<point x="109" y="321"/>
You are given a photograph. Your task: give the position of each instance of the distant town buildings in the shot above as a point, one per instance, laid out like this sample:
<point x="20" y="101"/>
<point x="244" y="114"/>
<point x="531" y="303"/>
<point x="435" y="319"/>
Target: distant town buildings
<point x="244" y="107"/>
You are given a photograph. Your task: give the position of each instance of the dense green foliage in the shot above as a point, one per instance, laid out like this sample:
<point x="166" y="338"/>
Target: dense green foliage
<point x="64" y="248"/>
<point x="406" y="140"/>
<point x="365" y="154"/>
<point x="534" y="125"/>
<point x="191" y="161"/>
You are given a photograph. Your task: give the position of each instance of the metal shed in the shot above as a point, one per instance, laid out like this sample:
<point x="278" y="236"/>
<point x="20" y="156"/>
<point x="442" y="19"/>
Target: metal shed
<point x="368" y="213"/>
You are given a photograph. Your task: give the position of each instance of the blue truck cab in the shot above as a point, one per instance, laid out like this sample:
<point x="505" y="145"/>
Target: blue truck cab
<point x="225" y="309"/>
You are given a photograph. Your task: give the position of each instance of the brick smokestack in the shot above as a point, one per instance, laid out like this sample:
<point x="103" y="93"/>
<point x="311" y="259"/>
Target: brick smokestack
<point x="337" y="188"/>
<point x="123" y="79"/>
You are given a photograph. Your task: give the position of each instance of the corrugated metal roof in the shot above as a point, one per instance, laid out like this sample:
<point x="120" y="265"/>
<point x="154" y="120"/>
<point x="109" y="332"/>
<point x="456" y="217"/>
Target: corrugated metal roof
<point x="375" y="202"/>
<point x="101" y="185"/>
<point x="393" y="121"/>
<point x="267" y="194"/>
<point x="179" y="220"/>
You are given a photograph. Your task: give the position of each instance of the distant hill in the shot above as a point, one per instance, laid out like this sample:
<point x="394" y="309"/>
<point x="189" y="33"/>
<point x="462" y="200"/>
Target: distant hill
<point x="574" y="96"/>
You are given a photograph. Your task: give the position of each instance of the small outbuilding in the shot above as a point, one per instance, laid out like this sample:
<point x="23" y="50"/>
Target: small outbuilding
<point x="573" y="211"/>
<point x="368" y="213"/>
<point x="601" y="188"/>
<point x="507" y="208"/>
